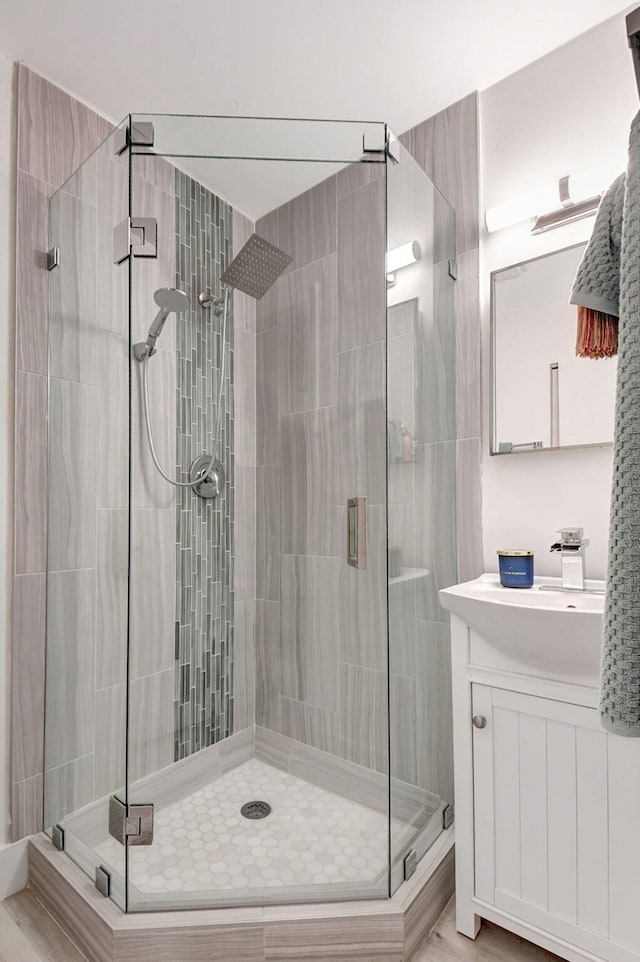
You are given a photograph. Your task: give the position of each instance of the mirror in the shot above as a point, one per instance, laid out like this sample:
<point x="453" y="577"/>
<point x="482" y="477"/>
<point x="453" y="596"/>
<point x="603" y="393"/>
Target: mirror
<point x="543" y="396"/>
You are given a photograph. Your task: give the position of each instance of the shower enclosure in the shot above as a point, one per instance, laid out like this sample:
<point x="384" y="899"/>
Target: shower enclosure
<point x="247" y="694"/>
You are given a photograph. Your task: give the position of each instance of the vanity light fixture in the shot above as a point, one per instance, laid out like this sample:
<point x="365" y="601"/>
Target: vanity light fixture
<point x="565" y="200"/>
<point x="399" y="257"/>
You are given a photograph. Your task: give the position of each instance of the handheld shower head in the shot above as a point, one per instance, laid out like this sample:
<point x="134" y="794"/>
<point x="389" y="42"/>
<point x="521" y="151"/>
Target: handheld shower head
<point x="169" y="300"/>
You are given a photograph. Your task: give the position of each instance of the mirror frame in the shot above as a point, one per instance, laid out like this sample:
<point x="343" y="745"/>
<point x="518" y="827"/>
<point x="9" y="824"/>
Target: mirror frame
<point x="493" y="412"/>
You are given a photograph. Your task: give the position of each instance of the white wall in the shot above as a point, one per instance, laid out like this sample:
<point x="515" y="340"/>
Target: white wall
<point x="568" y="111"/>
<point x="7" y="271"/>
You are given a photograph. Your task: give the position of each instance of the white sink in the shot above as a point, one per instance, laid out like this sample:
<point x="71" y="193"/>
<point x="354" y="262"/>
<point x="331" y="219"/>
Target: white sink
<point x="556" y="631"/>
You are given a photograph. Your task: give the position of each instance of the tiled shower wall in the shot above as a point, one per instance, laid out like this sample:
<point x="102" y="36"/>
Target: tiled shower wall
<point x="320" y="624"/>
<point x="446" y="146"/>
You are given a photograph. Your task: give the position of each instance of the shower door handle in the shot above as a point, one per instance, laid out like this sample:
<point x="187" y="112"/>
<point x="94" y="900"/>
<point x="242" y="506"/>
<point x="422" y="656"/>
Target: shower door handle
<point x="357" y="532"/>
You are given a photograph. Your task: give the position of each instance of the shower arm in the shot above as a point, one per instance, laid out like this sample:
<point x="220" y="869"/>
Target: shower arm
<point x="633" y="36"/>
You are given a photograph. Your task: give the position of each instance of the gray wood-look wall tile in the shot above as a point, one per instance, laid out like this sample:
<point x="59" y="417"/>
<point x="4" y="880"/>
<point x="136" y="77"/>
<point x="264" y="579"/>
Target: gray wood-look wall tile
<point x="267" y="520"/>
<point x="436" y="524"/>
<point x="361" y="266"/>
<point x="307" y="225"/>
<point x="155" y="170"/>
<point x="469" y="508"/>
<point x="244" y="396"/>
<point x="468" y="367"/>
<point x="245" y="533"/>
<point x="70" y="709"/>
<point x="30" y="499"/>
<point x="56" y="133"/>
<point x="72" y="491"/>
<point x="356" y="176"/>
<point x="403" y="599"/>
<point x="72" y="290"/>
<point x="244" y="665"/>
<point x="446" y="147"/>
<point x="242" y="943"/>
<point x="342" y="777"/>
<point x="273" y="748"/>
<point x="68" y="788"/>
<point x="436" y="363"/>
<point x="27" y="675"/>
<point x="310" y="725"/>
<point x="112" y="591"/>
<point x="151" y="725"/>
<point x="433" y="711"/>
<point x="153" y="588"/>
<point x="150" y="273"/>
<point x="112" y="309"/>
<point x="268" y="663"/>
<point x="112" y="383"/>
<point x="403" y="729"/>
<point x="32" y="243"/>
<point x="308" y="482"/>
<point x="444" y="228"/>
<point x="328" y="940"/>
<point x="401" y="378"/>
<point x="26" y="806"/>
<point x="362" y="595"/>
<point x="244" y="306"/>
<point x="363" y="716"/>
<point x="149" y="489"/>
<point x="362" y="424"/>
<point x="308" y="337"/>
<point x="310" y="628"/>
<point x="110" y="740"/>
<point x="267" y="397"/>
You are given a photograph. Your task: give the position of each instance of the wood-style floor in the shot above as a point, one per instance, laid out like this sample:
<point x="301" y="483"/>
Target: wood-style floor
<point x="29" y="934"/>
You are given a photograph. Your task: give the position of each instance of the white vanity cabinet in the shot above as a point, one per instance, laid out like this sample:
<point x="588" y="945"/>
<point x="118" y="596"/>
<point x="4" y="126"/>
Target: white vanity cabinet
<point x="547" y="807"/>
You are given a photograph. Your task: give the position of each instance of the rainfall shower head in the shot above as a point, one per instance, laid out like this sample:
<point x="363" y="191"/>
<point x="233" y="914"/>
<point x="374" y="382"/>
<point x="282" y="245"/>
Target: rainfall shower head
<point x="258" y="265"/>
<point x="169" y="300"/>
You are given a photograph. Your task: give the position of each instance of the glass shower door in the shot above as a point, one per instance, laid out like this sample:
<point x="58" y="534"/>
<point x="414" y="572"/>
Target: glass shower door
<point x="421" y="422"/>
<point x="87" y="523"/>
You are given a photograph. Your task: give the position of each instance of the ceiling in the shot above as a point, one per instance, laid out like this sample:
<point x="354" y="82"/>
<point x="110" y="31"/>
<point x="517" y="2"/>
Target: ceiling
<point x="343" y="59"/>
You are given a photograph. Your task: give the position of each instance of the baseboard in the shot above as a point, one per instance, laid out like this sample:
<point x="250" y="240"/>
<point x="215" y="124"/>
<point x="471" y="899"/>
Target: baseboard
<point x="13" y="868"/>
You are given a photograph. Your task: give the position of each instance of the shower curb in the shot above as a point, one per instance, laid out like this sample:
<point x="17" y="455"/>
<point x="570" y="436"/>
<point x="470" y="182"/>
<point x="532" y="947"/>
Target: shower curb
<point x="382" y="930"/>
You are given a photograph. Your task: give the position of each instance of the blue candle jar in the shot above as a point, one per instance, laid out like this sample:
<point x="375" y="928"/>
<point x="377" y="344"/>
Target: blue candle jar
<point x="516" y="569"/>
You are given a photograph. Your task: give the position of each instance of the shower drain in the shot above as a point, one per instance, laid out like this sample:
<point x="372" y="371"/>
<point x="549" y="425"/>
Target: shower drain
<point x="255" y="809"/>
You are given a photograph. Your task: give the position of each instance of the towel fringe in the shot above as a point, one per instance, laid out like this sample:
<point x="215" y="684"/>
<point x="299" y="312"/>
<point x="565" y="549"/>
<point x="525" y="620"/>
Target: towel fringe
<point x="597" y="334"/>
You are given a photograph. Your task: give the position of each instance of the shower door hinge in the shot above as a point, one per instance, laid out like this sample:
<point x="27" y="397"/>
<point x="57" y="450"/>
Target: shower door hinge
<point x="132" y="825"/>
<point x="137" y="236"/>
<point x="140" y="134"/>
<point x="453" y="269"/>
<point x="53" y="258"/>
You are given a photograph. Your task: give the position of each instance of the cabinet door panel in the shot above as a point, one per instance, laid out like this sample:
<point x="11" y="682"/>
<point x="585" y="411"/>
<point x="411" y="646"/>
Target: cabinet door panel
<point x="532" y="752"/>
<point x="562" y="846"/>
<point x="592" y="830"/>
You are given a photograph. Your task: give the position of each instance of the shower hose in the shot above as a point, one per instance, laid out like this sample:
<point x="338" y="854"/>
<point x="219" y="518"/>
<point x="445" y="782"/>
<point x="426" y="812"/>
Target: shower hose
<point x="147" y="418"/>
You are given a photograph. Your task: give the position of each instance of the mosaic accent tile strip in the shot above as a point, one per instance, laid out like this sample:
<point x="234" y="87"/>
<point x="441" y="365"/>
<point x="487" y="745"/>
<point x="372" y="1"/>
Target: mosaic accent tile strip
<point x="204" y="528"/>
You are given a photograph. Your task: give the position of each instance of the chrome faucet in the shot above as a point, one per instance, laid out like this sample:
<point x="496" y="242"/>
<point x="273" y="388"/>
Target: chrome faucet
<point x="572" y="546"/>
